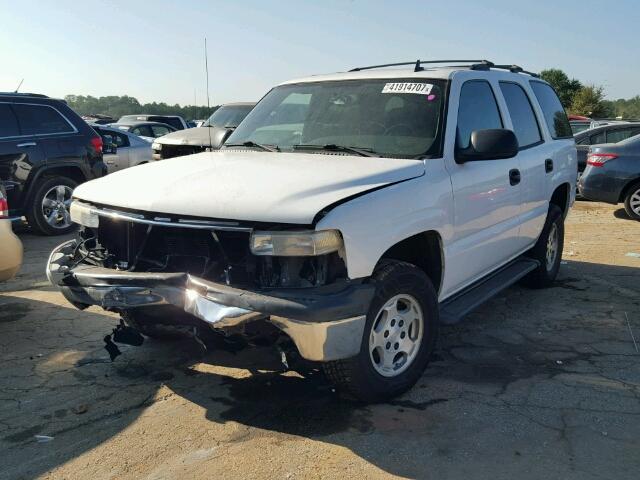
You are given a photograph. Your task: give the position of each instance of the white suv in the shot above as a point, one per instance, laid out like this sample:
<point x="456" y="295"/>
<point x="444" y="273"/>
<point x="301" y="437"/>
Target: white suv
<point x="352" y="212"/>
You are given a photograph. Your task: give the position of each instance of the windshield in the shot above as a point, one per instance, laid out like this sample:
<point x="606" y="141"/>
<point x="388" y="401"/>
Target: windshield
<point x="399" y="118"/>
<point x="228" y="116"/>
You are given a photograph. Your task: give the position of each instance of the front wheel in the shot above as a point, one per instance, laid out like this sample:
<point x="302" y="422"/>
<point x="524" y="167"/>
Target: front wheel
<point x="547" y="250"/>
<point x="400" y="333"/>
<point x="632" y="202"/>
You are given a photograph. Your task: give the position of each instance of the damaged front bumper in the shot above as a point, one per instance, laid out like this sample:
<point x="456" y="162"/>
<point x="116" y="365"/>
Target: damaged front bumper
<point x="326" y="323"/>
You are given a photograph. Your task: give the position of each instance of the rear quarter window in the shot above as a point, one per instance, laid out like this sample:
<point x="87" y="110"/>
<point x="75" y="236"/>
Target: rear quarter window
<point x="554" y="115"/>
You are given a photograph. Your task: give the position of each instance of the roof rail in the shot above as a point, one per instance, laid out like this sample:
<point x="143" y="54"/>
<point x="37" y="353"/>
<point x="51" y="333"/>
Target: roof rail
<point x="24" y="94"/>
<point x="473" y="65"/>
<point x="418" y="64"/>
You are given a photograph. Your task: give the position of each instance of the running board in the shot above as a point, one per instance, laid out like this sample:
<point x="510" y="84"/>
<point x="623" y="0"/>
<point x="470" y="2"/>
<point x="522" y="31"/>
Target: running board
<point x="454" y="309"/>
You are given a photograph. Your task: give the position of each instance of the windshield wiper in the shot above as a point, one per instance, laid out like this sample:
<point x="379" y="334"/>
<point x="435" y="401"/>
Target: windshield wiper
<point x="251" y="144"/>
<point x="331" y="147"/>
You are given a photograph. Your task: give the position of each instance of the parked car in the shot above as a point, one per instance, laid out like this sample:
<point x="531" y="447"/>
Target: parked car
<point x="148" y="131"/>
<point x="123" y="149"/>
<point x="176" y="121"/>
<point x="10" y="244"/>
<point x="399" y="200"/>
<point x="611" y="133"/>
<point x="613" y="175"/>
<point x="46" y="150"/>
<point x="210" y="136"/>
<point x="98" y="119"/>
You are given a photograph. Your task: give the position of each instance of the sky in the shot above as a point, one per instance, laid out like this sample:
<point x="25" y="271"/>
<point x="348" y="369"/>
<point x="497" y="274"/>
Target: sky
<point x="154" y="50"/>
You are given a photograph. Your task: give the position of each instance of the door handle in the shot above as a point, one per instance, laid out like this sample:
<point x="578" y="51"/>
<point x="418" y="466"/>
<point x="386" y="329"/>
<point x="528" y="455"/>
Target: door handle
<point x="26" y="144"/>
<point x="514" y="176"/>
<point x="548" y="165"/>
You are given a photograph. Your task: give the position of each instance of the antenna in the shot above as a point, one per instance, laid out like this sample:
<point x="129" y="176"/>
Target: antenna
<point x="206" y="67"/>
<point x="19" y="85"/>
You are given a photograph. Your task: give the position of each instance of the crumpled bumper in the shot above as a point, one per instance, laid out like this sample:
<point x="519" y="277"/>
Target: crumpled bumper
<point x="326" y="323"/>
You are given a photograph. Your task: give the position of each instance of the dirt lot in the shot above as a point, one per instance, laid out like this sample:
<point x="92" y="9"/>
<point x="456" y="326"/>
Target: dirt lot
<point x="535" y="384"/>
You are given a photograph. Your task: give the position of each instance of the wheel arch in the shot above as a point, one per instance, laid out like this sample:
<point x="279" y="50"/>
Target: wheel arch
<point x="561" y="197"/>
<point x="72" y="172"/>
<point x="424" y="250"/>
<point x="626" y="188"/>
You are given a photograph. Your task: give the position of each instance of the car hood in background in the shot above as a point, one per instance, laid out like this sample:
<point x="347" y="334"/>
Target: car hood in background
<point x="200" y="136"/>
<point x="246" y="185"/>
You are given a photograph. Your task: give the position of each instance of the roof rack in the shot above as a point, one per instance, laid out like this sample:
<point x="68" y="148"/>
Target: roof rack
<point x="473" y="65"/>
<point x="25" y="94"/>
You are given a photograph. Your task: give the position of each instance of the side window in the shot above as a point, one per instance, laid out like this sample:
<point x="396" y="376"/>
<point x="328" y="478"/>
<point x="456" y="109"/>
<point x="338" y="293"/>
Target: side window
<point x="477" y="110"/>
<point x="142" y="131"/>
<point x="40" y="120"/>
<point x="119" y="139"/>
<point x="159" y="130"/>
<point x="8" y="122"/>
<point x="583" y="141"/>
<point x="598" y="138"/>
<point x="525" y="125"/>
<point x="554" y="115"/>
<point x="615" y="136"/>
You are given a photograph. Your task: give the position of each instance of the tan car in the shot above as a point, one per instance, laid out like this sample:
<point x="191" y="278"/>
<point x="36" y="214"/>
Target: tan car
<point x="10" y="244"/>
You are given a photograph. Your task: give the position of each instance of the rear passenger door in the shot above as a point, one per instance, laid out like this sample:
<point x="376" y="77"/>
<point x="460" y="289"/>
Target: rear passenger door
<point x="486" y="204"/>
<point x="531" y="155"/>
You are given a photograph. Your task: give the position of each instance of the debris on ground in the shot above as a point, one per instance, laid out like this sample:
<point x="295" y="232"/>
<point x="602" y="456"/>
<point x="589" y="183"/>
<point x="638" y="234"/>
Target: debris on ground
<point x="43" y="438"/>
<point x="80" y="409"/>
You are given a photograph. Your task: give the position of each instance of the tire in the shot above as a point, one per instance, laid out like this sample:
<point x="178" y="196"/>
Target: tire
<point x="545" y="274"/>
<point x="363" y="375"/>
<point x="632" y="201"/>
<point x="48" y="213"/>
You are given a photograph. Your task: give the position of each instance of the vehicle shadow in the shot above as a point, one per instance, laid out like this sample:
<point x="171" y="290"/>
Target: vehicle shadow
<point x="622" y="215"/>
<point x="62" y="384"/>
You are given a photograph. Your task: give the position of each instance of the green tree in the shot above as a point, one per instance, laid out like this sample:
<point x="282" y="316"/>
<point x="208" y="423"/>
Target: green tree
<point x="565" y="86"/>
<point x="589" y="101"/>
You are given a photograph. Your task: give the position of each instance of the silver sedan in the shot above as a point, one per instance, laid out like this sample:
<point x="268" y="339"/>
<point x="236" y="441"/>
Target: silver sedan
<point x="123" y="149"/>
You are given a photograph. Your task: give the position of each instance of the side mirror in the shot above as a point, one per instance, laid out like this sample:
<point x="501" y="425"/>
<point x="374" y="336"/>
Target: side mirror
<point x="491" y="144"/>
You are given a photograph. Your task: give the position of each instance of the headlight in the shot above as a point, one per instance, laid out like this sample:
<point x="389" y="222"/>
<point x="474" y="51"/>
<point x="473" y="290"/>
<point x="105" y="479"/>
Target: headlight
<point x="83" y="214"/>
<point x="156" y="146"/>
<point x="295" y="244"/>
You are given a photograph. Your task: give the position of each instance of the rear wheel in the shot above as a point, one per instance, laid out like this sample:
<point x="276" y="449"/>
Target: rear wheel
<point x="547" y="250"/>
<point x="49" y="212"/>
<point x="632" y="202"/>
<point x="400" y="333"/>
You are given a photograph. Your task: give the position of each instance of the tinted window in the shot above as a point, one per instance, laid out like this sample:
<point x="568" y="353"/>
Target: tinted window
<point x="8" y="122"/>
<point x="598" y="138"/>
<point x="583" y="141"/>
<point x="615" y="136"/>
<point x="119" y="139"/>
<point x="477" y="111"/>
<point x="525" y="125"/>
<point x="554" y="114"/>
<point x="40" y="119"/>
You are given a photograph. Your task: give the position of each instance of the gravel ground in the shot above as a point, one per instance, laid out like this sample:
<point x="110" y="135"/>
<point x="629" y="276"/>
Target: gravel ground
<point x="535" y="384"/>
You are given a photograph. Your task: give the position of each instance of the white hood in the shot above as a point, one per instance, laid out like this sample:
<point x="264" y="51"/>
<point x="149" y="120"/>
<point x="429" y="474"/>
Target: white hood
<point x="241" y="185"/>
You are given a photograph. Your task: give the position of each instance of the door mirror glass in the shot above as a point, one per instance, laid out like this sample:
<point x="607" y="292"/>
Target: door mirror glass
<point x="490" y="144"/>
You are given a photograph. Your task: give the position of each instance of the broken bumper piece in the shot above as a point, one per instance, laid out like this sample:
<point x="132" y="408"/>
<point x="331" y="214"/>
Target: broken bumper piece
<point x="326" y="323"/>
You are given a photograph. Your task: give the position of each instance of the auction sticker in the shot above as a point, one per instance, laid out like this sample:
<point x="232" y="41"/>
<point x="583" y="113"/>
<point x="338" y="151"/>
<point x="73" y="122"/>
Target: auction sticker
<point x="417" y="88"/>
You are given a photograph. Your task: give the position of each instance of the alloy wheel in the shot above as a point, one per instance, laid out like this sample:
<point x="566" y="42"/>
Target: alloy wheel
<point x="396" y="335"/>
<point x="55" y="206"/>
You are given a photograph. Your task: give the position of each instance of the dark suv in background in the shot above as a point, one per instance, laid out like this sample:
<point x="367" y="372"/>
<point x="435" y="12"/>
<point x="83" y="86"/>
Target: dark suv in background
<point x="46" y="150"/>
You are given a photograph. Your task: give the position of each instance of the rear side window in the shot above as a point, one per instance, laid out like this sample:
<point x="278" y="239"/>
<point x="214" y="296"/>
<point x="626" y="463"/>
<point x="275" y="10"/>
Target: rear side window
<point x="525" y="125"/>
<point x="615" y="136"/>
<point x="159" y="130"/>
<point x="477" y="110"/>
<point x="554" y="115"/>
<point x="143" y="131"/>
<point x="40" y="120"/>
<point x="598" y="138"/>
<point x="8" y="122"/>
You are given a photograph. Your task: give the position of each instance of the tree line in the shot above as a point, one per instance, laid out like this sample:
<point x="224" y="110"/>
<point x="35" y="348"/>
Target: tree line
<point x="588" y="99"/>
<point x="115" y="106"/>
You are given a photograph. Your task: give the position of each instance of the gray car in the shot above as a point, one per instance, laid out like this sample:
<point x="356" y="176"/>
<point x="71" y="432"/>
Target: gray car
<point x="122" y="149"/>
<point x="613" y="175"/>
<point x="610" y="133"/>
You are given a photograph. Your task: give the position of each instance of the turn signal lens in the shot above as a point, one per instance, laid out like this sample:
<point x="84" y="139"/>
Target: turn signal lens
<point x="295" y="244"/>
<point x="599" y="159"/>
